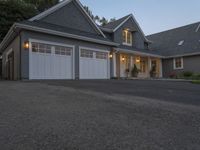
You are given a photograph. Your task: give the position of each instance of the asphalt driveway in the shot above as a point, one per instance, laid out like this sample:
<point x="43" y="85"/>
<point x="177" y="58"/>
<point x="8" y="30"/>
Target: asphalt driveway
<point x="99" y="115"/>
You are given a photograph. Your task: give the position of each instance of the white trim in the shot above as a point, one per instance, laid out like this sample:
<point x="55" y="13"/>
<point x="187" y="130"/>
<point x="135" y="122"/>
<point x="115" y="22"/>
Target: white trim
<point x="96" y="50"/>
<point x="90" y="18"/>
<point x="28" y="27"/>
<point x="50" y="10"/>
<point x="197" y="28"/>
<point x="131" y="16"/>
<point x="62" y="4"/>
<point x="174" y="63"/>
<point x="53" y="44"/>
<point x="183" y="55"/>
<point x="137" y="53"/>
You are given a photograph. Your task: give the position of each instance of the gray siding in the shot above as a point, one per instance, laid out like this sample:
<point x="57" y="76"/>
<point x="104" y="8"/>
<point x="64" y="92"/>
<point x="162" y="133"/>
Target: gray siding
<point x="190" y="63"/>
<point x="138" y="39"/>
<point x="70" y="16"/>
<point x="45" y="37"/>
<point x="15" y="46"/>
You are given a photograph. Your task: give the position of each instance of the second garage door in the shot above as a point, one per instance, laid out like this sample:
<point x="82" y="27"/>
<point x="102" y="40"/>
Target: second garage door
<point x="94" y="64"/>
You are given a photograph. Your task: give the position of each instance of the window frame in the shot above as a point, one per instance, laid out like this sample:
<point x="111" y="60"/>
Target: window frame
<point x="125" y="41"/>
<point x="175" y="62"/>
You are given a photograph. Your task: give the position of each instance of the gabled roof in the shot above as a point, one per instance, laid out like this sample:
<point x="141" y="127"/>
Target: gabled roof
<point x="115" y="25"/>
<point x="43" y="27"/>
<point x="182" y="41"/>
<point x="62" y="4"/>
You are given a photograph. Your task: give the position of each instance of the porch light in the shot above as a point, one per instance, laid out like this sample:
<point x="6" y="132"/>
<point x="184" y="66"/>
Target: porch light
<point x="123" y="58"/>
<point x="111" y="56"/>
<point x="137" y="60"/>
<point x="26" y="45"/>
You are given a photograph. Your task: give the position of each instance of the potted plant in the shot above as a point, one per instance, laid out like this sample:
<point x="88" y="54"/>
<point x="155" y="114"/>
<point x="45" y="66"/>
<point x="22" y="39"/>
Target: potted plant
<point x="127" y="72"/>
<point x="135" y="71"/>
<point x="153" y="72"/>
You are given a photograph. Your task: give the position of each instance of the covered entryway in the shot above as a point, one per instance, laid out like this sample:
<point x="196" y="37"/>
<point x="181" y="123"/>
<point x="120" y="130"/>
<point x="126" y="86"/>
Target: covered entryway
<point x="49" y="61"/>
<point x="94" y="64"/>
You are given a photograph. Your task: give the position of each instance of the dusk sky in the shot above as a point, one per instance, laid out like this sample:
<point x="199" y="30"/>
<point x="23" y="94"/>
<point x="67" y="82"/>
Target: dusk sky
<point x="152" y="15"/>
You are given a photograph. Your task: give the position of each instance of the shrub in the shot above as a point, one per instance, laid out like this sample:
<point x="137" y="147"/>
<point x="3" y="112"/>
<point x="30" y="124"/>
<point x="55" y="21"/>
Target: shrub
<point x="187" y="74"/>
<point x="196" y="81"/>
<point x="173" y="75"/>
<point x="134" y="71"/>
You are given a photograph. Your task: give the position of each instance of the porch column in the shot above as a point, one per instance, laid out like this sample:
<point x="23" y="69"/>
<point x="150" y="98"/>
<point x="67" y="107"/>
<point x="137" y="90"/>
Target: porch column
<point x="161" y="70"/>
<point x="149" y="66"/>
<point x="114" y="64"/>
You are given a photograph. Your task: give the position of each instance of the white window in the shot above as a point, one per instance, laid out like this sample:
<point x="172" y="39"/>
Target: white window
<point x="61" y="50"/>
<point x="86" y="53"/>
<point x="41" y="48"/>
<point x="178" y="63"/>
<point x="101" y="55"/>
<point x="127" y="37"/>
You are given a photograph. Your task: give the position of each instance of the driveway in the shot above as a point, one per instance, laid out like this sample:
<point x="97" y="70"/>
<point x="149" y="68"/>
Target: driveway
<point x="99" y="115"/>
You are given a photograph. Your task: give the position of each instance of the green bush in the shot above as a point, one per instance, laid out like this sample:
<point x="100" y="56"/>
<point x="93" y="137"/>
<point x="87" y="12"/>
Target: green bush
<point x="187" y="74"/>
<point x="196" y="81"/>
<point x="134" y="71"/>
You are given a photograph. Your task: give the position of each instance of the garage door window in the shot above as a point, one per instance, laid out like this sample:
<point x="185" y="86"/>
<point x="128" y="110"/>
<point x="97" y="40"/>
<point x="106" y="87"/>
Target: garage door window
<point x="86" y="53"/>
<point x="101" y="55"/>
<point x="41" y="48"/>
<point x="60" y="50"/>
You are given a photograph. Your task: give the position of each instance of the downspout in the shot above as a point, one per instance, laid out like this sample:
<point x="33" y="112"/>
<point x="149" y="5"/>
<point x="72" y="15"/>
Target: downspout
<point x="20" y="55"/>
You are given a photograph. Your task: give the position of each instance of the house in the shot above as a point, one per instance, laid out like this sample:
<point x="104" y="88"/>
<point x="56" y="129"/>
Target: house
<point x="63" y="42"/>
<point x="180" y="48"/>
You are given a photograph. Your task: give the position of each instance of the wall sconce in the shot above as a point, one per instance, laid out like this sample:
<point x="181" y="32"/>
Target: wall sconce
<point x="26" y="45"/>
<point x="123" y="58"/>
<point x="111" y="56"/>
<point x="137" y="60"/>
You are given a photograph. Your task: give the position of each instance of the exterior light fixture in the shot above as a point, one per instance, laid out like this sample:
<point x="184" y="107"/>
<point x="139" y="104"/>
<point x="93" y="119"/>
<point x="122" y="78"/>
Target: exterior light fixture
<point x="111" y="56"/>
<point x="26" y="45"/>
<point x="123" y="58"/>
<point x="137" y="59"/>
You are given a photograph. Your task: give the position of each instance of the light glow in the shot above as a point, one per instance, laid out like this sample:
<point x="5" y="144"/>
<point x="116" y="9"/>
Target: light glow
<point x="26" y="45"/>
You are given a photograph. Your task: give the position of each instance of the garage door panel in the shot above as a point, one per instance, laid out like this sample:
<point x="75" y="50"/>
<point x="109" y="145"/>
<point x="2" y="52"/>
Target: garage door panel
<point x="46" y="64"/>
<point x="95" y="67"/>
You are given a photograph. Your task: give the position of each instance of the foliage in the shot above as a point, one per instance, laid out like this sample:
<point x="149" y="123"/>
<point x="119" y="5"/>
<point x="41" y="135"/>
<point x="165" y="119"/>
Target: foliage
<point x="173" y="75"/>
<point x="134" y="71"/>
<point x="187" y="74"/>
<point x="153" y="71"/>
<point x="18" y="10"/>
<point x="99" y="20"/>
<point x="13" y="11"/>
<point x="196" y="81"/>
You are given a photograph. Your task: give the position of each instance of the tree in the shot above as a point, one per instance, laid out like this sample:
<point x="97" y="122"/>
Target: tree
<point x="42" y="5"/>
<point x="18" y="10"/>
<point x="14" y="11"/>
<point x="103" y="21"/>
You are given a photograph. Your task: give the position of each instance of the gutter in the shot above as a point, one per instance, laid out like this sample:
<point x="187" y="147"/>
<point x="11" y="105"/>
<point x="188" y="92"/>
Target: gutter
<point x="48" y="31"/>
<point x="137" y="52"/>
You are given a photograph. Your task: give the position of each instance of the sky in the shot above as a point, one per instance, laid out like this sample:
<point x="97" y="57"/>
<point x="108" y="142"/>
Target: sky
<point x="152" y="15"/>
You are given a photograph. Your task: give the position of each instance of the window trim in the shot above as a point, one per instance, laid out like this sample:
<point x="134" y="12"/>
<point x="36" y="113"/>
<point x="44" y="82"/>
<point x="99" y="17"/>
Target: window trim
<point x="174" y="63"/>
<point x="126" y="38"/>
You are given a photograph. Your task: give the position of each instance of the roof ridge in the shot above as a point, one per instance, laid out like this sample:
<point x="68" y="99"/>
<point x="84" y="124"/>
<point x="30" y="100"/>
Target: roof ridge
<point x="174" y="29"/>
<point x="118" y="20"/>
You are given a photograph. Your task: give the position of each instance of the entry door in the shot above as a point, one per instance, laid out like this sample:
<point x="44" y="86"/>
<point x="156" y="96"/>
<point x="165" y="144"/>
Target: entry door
<point x="124" y="64"/>
<point x="94" y="64"/>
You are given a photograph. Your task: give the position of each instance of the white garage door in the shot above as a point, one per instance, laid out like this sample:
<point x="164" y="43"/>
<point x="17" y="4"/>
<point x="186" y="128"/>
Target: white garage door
<point x="94" y="64"/>
<point x="50" y="61"/>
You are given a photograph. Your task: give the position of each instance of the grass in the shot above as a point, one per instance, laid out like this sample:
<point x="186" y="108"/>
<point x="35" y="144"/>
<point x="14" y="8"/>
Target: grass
<point x="196" y="81"/>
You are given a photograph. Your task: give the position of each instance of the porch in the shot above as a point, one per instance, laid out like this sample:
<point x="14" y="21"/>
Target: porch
<point x="135" y="64"/>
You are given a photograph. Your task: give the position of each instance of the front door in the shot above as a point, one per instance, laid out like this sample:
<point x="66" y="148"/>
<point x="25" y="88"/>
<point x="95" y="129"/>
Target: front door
<point x="10" y="66"/>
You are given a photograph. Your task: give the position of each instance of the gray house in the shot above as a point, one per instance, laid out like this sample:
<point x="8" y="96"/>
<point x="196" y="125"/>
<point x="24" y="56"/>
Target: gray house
<point x="65" y="43"/>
